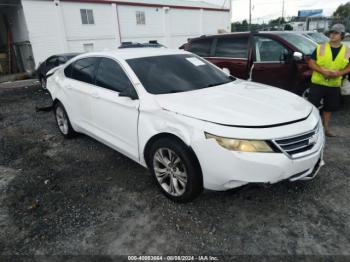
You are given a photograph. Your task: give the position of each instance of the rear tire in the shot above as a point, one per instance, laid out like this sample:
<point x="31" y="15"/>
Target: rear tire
<point x="175" y="169"/>
<point x="63" y="121"/>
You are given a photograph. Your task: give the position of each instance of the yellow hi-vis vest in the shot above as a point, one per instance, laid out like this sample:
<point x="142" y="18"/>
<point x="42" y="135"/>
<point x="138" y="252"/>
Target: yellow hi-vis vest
<point x="325" y="59"/>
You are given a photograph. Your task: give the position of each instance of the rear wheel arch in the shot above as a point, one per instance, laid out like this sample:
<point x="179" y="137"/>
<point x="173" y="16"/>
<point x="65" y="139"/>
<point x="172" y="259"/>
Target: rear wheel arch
<point x="57" y="101"/>
<point x="62" y="120"/>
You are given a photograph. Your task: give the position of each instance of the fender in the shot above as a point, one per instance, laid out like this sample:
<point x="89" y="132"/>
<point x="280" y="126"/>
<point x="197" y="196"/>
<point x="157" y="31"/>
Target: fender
<point x="150" y="126"/>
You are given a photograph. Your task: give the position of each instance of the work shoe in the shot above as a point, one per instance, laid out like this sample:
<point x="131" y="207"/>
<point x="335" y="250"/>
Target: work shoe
<point x="329" y="133"/>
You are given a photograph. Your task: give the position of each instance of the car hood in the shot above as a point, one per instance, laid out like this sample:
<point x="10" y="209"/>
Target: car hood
<point x="239" y="103"/>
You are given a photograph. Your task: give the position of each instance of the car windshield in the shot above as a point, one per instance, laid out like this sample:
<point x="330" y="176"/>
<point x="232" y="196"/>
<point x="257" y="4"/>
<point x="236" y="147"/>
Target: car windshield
<point x="318" y="37"/>
<point x="305" y="45"/>
<point x="176" y="73"/>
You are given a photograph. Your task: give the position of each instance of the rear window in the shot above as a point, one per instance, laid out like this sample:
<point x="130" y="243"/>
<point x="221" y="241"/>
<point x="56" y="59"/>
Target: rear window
<point x="233" y="47"/>
<point x="201" y="47"/>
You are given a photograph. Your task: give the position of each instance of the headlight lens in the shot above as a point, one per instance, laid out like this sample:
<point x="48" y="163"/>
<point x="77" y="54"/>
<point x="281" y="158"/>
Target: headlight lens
<point x="241" y="145"/>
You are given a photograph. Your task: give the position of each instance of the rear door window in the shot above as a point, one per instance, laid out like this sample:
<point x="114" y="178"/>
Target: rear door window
<point x="52" y="62"/>
<point x="110" y="75"/>
<point x="232" y="47"/>
<point x="201" y="47"/>
<point x="83" y="70"/>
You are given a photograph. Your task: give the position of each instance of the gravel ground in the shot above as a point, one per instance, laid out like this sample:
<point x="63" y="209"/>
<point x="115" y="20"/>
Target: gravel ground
<point x="79" y="197"/>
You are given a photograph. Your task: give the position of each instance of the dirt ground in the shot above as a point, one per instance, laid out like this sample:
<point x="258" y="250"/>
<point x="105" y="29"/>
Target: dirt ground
<point x="79" y="197"/>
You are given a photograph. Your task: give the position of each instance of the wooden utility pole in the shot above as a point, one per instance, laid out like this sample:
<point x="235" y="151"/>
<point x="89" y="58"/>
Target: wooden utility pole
<point x="282" y="11"/>
<point x="229" y="5"/>
<point x="250" y="14"/>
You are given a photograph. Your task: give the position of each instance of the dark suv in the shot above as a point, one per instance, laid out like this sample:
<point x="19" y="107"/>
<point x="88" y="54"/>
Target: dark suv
<point x="274" y="58"/>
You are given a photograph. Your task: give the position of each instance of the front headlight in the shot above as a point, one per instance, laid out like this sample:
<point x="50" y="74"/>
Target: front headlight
<point x="241" y="145"/>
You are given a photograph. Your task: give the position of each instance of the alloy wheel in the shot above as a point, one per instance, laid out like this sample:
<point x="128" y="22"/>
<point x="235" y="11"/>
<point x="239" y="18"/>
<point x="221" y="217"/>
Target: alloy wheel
<point x="170" y="171"/>
<point x="62" y="120"/>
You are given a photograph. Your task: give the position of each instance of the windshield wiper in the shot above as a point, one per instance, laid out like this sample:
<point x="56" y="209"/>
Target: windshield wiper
<point x="220" y="83"/>
<point x="173" y="91"/>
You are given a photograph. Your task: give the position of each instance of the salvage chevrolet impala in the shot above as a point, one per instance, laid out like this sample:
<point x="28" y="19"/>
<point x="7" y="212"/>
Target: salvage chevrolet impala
<point x="192" y="124"/>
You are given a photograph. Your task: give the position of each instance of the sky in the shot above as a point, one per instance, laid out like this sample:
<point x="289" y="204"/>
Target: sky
<point x="265" y="10"/>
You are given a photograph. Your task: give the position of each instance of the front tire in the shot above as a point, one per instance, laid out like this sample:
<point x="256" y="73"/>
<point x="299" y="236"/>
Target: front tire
<point x="63" y="121"/>
<point x="43" y="82"/>
<point x="175" y="169"/>
<point x="306" y="93"/>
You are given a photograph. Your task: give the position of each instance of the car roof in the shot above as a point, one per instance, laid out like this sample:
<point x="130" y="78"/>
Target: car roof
<point x="244" y="33"/>
<point x="291" y="32"/>
<point x="66" y="55"/>
<point x="280" y="32"/>
<point x="70" y="54"/>
<point x="130" y="53"/>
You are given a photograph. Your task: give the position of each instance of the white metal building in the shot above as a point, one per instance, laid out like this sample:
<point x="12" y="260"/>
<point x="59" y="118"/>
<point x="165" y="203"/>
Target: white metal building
<point x="59" y="26"/>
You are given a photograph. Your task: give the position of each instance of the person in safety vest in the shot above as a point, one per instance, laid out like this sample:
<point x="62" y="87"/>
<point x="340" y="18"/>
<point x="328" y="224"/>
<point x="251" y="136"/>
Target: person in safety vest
<point x="329" y="62"/>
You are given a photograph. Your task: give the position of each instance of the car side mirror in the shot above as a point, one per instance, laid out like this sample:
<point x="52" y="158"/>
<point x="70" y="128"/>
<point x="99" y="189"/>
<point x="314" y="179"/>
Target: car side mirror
<point x="297" y="56"/>
<point x="226" y="71"/>
<point x="129" y="92"/>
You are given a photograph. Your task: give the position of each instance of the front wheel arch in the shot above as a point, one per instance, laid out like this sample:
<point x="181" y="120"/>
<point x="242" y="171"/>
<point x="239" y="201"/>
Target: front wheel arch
<point x="189" y="159"/>
<point x="155" y="138"/>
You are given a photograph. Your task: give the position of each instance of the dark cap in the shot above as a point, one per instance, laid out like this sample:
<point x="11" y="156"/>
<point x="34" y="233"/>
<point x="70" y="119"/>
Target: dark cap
<point x="339" y="28"/>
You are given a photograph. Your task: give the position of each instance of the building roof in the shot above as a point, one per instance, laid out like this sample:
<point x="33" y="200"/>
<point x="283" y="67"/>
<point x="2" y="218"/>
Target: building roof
<point x="176" y="3"/>
<point x="182" y="4"/>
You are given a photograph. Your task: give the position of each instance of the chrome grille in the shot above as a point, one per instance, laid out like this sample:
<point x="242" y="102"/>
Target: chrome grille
<point x="298" y="144"/>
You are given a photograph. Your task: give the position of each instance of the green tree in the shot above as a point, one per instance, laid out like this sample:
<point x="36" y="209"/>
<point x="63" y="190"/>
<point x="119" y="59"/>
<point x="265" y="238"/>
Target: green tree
<point x="288" y="27"/>
<point x="342" y="15"/>
<point x="239" y="27"/>
<point x="276" y="22"/>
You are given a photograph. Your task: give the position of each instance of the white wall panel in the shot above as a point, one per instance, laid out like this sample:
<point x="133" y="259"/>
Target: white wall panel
<point x="215" y="20"/>
<point x="56" y="29"/>
<point x="43" y="27"/>
<point x="103" y="28"/>
<point x="184" y="22"/>
<point x="177" y="41"/>
<point x="99" y="45"/>
<point x="129" y="28"/>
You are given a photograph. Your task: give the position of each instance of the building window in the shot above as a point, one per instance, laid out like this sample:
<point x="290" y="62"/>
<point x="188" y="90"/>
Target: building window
<point x="88" y="47"/>
<point x="87" y="16"/>
<point x="140" y="18"/>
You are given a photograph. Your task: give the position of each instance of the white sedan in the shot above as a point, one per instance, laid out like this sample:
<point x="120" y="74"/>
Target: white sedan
<point x="192" y="124"/>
